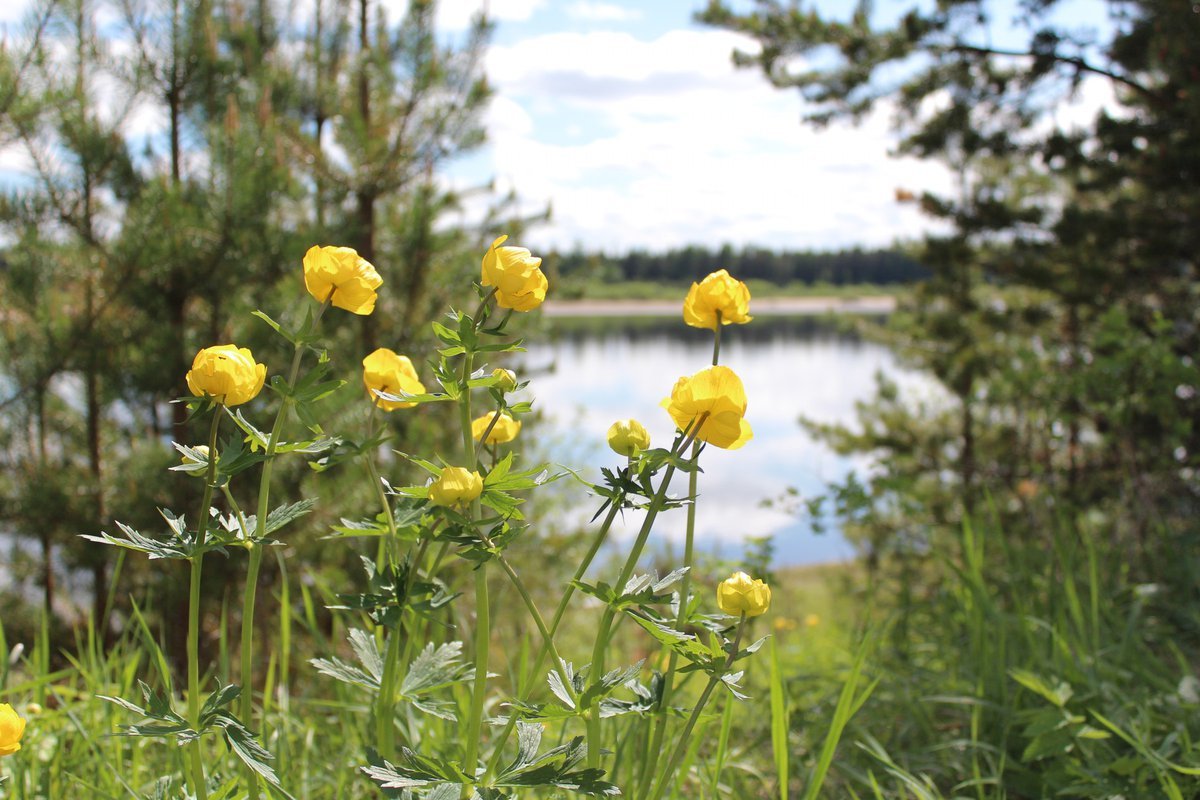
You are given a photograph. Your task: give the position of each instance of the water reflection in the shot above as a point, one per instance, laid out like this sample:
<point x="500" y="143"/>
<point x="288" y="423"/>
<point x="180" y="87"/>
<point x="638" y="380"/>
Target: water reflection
<point x="594" y="371"/>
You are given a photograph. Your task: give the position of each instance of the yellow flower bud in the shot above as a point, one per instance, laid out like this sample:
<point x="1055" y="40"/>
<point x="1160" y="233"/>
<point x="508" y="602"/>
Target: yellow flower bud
<point x="384" y="371"/>
<point x="202" y="449"/>
<point x="227" y="373"/>
<point x="344" y="272"/>
<point x="517" y="276"/>
<point x="718" y="293"/>
<point x="716" y="394"/>
<point x="506" y="380"/>
<point x="740" y="594"/>
<point x="12" y="728"/>
<point x="628" y="437"/>
<point x="456" y="486"/>
<point x="505" y="429"/>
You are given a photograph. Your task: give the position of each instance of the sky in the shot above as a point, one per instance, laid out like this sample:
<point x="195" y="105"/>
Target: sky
<point x="629" y="121"/>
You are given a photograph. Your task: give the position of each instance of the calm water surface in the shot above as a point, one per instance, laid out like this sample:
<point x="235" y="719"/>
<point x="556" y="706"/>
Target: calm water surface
<point x="593" y="372"/>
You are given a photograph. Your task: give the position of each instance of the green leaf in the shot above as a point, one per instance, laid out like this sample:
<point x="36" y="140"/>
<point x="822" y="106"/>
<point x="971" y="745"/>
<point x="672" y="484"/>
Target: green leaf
<point x="291" y="512"/>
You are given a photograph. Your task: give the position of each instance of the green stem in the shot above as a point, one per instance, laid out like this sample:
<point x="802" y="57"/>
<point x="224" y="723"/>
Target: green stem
<point x="717" y="341"/>
<point x="685" y="735"/>
<point x="250" y="594"/>
<point x="664" y="702"/>
<point x="474" y="730"/>
<point x="547" y="636"/>
<point x="193" y="635"/>
<point x="606" y="620"/>
<point x="387" y="545"/>
<point x="559" y="613"/>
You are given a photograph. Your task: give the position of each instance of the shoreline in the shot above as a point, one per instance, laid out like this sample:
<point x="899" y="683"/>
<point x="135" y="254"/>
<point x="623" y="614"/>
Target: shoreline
<point x="767" y="306"/>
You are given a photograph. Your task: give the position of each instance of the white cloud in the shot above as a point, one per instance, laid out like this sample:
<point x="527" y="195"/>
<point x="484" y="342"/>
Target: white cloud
<point x="686" y="149"/>
<point x="602" y="12"/>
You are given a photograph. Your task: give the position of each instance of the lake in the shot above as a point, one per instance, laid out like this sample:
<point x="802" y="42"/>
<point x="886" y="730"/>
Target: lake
<point x="593" y="371"/>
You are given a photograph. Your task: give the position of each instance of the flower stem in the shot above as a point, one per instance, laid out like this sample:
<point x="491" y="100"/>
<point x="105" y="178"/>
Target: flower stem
<point x="547" y="636"/>
<point x="664" y="702"/>
<point x="685" y="735"/>
<point x="199" y="788"/>
<point x="559" y="613"/>
<point x="255" y="546"/>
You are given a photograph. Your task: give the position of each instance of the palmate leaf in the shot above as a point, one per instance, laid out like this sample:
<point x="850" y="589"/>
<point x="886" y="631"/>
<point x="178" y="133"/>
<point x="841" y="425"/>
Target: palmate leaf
<point x="432" y="669"/>
<point x="555" y="767"/>
<point x="412" y="771"/>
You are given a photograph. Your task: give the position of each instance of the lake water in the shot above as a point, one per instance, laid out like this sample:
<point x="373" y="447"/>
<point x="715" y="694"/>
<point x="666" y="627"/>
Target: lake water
<point x="594" y="371"/>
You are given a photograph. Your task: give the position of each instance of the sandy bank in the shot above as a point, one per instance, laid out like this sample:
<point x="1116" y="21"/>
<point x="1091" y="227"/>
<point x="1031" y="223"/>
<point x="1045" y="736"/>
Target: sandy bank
<point x="759" y="307"/>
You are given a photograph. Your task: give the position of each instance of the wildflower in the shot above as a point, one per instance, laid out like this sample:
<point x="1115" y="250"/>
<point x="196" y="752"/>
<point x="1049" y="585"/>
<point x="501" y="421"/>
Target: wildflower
<point x="227" y="373"/>
<point x="812" y="620"/>
<point x="12" y="728"/>
<point x="342" y="271"/>
<point x="455" y="487"/>
<point x="384" y="371"/>
<point x="719" y="293"/>
<point x="506" y="380"/>
<point x="783" y="624"/>
<point x="717" y="395"/>
<point x="505" y="429"/>
<point x="628" y="437"/>
<point x="741" y="594"/>
<point x="517" y="276"/>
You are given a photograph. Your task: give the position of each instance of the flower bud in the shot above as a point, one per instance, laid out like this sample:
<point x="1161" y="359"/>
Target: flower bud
<point x="455" y="487"/>
<point x="740" y="594"/>
<point x="12" y="728"/>
<point x="227" y="373"/>
<point x="506" y="381"/>
<point x="628" y="437"/>
<point x="202" y="449"/>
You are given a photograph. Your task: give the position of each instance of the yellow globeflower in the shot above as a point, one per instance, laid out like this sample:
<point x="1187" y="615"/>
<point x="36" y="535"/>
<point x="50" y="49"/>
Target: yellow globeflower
<point x="505" y="429"/>
<point x="12" y="728"/>
<point x="506" y="379"/>
<point x="385" y="371"/>
<point x="718" y="292"/>
<point x="716" y="394"/>
<point x="227" y="373"/>
<point x="517" y="276"/>
<point x="456" y="486"/>
<point x="344" y="272"/>
<point x="740" y="594"/>
<point x="628" y="437"/>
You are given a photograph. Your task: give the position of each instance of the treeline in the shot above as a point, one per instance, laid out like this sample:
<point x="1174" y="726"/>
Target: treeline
<point x="839" y="267"/>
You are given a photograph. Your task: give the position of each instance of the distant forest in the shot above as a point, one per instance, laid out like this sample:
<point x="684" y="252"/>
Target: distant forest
<point x="840" y="267"/>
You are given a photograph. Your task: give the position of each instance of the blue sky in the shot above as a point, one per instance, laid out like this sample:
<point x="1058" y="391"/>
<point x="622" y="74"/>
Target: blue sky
<point x="628" y="119"/>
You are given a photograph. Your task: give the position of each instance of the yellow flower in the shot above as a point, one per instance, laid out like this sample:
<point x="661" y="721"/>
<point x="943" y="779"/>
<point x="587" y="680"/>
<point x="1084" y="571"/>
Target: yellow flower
<point x="456" y="486"/>
<point x="517" y="276"/>
<point x="344" y="272"/>
<point x="505" y="429"/>
<point x="717" y="293"/>
<point x="12" y="728"/>
<point x="716" y="394"/>
<point x="628" y="437"/>
<point x="385" y="371"/>
<point x="227" y="373"/>
<point x="812" y="620"/>
<point x="740" y="594"/>
<point x="506" y="380"/>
